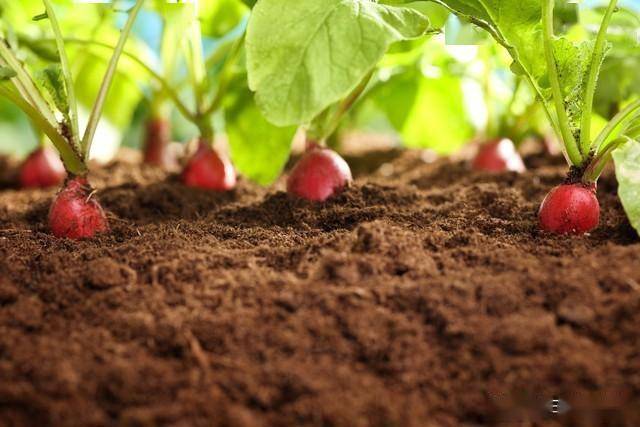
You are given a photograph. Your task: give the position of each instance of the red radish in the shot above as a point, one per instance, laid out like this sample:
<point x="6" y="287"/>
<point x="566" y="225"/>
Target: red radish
<point x="75" y="213"/>
<point x="319" y="174"/>
<point x="498" y="155"/>
<point x="570" y="209"/>
<point x="43" y="168"/>
<point x="207" y="170"/>
<point x="156" y="144"/>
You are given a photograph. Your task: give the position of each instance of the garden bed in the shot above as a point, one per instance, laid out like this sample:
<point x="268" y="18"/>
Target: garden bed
<point x="425" y="295"/>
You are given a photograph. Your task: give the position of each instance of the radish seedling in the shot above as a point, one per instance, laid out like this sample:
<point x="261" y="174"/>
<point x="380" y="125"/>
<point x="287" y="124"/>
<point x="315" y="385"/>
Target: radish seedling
<point x="218" y="86"/>
<point x="206" y="169"/>
<point x="564" y="75"/>
<point x="52" y="107"/>
<point x="304" y="76"/>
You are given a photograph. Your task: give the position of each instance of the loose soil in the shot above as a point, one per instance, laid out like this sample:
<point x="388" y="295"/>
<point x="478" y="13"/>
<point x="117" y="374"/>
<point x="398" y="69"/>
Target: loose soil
<point x="425" y="295"/>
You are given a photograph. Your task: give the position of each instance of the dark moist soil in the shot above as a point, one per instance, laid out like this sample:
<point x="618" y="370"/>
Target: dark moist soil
<point x="423" y="296"/>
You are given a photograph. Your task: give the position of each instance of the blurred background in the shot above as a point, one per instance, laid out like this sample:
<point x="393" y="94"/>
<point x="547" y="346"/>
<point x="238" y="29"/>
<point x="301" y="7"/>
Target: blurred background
<point x="437" y="93"/>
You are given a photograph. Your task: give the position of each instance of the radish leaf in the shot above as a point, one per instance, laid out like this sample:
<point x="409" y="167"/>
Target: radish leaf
<point x="627" y="162"/>
<point x="259" y="150"/>
<point x="304" y="56"/>
<point x="573" y="62"/>
<point x="52" y="80"/>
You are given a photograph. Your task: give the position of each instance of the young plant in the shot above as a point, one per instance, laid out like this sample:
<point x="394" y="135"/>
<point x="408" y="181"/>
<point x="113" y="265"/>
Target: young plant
<point x="218" y="86"/>
<point x="496" y="152"/>
<point x="157" y="127"/>
<point x="52" y="107"/>
<point x="564" y="75"/>
<point x="309" y="61"/>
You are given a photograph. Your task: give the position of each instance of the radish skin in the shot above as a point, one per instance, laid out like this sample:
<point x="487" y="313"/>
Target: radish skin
<point x="319" y="175"/>
<point x="570" y="209"/>
<point x="75" y="213"/>
<point x="498" y="155"/>
<point x="208" y="170"/>
<point x="43" y="168"/>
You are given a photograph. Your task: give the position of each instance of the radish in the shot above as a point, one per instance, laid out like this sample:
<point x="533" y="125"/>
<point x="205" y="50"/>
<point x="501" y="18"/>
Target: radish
<point x="563" y="74"/>
<point x="320" y="174"/>
<point x="43" y="168"/>
<point x="75" y="213"/>
<point x="498" y="155"/>
<point x="570" y="209"/>
<point x="208" y="170"/>
<point x="156" y="144"/>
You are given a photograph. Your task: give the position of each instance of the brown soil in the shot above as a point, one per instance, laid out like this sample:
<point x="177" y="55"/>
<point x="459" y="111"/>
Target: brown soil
<point x="423" y="296"/>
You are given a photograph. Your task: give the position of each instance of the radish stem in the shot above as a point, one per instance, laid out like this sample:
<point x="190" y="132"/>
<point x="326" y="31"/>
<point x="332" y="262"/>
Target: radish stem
<point x="170" y="91"/>
<point x="73" y="162"/>
<point x="94" y="118"/>
<point x="66" y="72"/>
<point x="563" y="120"/>
<point x="628" y="113"/>
<point x="224" y="80"/>
<point x="596" y="60"/>
<point x="595" y="168"/>
<point x="197" y="69"/>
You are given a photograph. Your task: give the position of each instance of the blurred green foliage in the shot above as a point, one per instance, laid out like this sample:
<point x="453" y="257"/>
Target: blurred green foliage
<point x="435" y="93"/>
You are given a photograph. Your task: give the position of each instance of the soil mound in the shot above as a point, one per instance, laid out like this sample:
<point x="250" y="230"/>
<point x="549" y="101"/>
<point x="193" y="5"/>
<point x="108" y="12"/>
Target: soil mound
<point x="425" y="295"/>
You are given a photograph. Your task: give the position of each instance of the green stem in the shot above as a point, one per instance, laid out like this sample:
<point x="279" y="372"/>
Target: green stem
<point x="197" y="69"/>
<point x="563" y="120"/>
<point x="66" y="72"/>
<point x="592" y="80"/>
<point x="72" y="162"/>
<point x="488" y="92"/>
<point x="633" y="132"/>
<point x="597" y="165"/>
<point x="166" y="86"/>
<point x="344" y="107"/>
<point x="629" y="112"/>
<point x="205" y="128"/>
<point x="94" y="118"/>
<point x="225" y="77"/>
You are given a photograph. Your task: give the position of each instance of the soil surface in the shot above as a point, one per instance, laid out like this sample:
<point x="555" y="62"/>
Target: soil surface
<point x="425" y="295"/>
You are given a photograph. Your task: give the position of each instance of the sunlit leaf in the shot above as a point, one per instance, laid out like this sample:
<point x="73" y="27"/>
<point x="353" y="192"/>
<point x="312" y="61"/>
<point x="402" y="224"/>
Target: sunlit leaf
<point x="306" y="55"/>
<point x="627" y="161"/>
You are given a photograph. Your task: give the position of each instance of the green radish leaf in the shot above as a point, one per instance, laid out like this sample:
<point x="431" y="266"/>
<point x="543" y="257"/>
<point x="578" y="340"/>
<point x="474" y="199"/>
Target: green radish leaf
<point x="259" y="150"/>
<point x="52" y="80"/>
<point x="7" y="73"/>
<point x="573" y="63"/>
<point x="627" y="162"/>
<point x="304" y="56"/>
<point x="516" y="25"/>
